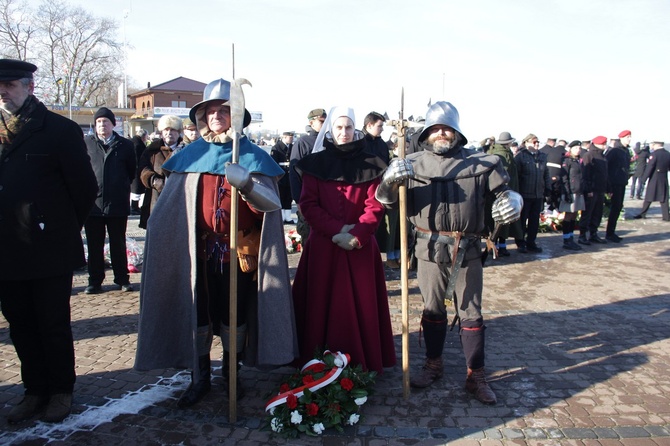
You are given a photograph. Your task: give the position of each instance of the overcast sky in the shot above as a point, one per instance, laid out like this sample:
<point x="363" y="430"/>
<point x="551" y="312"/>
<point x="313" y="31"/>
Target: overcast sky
<point x="570" y="69"/>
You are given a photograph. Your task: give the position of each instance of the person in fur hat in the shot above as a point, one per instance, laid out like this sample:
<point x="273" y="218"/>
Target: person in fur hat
<point x="150" y="165"/>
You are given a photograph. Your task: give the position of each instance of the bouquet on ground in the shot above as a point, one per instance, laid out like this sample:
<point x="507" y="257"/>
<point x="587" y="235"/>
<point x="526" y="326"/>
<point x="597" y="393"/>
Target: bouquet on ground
<point x="293" y="241"/>
<point x="326" y="392"/>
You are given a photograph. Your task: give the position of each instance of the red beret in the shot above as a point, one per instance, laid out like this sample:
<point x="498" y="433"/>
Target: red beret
<point x="624" y="133"/>
<point x="599" y="140"/>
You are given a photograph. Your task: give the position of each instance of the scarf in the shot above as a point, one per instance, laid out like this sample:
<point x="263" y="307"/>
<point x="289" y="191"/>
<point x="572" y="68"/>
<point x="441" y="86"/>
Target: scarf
<point x="11" y="124"/>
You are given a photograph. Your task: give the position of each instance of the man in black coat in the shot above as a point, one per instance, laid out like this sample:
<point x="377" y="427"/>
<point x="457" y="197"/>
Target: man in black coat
<point x="641" y="157"/>
<point x="534" y="185"/>
<point x="555" y="154"/>
<point x="47" y="188"/>
<point x="657" y="174"/>
<point x="137" y="188"/>
<point x="618" y="166"/>
<point x="301" y="149"/>
<point x="594" y="173"/>
<point x="114" y="164"/>
<point x="281" y="153"/>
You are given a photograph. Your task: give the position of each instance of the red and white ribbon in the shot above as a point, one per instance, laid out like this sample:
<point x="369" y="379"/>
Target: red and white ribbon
<point x="320" y="383"/>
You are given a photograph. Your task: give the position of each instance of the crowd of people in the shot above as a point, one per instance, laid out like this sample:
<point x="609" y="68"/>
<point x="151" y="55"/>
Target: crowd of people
<point x="345" y="184"/>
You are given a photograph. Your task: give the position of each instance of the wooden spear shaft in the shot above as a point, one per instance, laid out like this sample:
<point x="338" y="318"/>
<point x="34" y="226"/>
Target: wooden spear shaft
<point x="404" y="260"/>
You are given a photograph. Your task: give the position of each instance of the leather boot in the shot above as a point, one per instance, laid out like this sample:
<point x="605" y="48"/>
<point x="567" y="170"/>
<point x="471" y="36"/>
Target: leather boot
<point x="477" y="385"/>
<point x="195" y="392"/>
<point x="432" y="370"/>
<point x="225" y="372"/>
<point x="30" y="406"/>
<point x="59" y="407"/>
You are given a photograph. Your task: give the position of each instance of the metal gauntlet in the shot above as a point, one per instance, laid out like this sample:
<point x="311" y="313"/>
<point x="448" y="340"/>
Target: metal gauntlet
<point x="507" y="207"/>
<point x="398" y="171"/>
<point x="255" y="193"/>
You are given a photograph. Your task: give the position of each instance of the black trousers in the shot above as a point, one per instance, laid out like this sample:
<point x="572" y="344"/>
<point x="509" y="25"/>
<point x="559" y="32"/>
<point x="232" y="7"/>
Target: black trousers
<point x="95" y="240"/>
<point x="618" y="194"/>
<point x="530" y="221"/>
<point x="592" y="215"/>
<point x="38" y="312"/>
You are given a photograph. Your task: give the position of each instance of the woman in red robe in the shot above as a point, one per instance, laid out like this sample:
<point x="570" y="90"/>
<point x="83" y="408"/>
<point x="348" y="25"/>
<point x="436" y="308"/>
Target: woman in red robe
<point x="339" y="291"/>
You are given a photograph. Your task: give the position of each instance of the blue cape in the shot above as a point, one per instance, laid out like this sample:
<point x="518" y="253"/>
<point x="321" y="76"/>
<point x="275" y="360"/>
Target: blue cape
<point x="204" y="157"/>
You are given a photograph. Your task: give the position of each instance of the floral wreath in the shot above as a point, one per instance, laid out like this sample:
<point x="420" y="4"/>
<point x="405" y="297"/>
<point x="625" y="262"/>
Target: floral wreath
<point x="327" y="392"/>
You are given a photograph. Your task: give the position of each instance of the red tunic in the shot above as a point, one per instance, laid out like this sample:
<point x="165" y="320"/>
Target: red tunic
<point x="340" y="296"/>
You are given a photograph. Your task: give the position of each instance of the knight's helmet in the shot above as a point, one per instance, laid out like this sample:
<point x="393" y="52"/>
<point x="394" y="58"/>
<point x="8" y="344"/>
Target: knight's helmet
<point x="445" y="114"/>
<point x="218" y="90"/>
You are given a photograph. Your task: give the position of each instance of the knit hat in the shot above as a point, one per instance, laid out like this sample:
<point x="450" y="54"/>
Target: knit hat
<point x="104" y="112"/>
<point x="599" y="140"/>
<point x="624" y="133"/>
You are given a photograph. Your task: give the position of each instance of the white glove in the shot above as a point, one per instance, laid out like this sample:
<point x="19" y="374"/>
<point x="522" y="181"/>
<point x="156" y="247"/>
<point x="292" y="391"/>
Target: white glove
<point x="506" y="208"/>
<point x="346" y="241"/>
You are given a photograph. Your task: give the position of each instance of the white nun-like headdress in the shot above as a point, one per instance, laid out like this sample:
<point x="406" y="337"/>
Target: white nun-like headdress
<point x="333" y="114"/>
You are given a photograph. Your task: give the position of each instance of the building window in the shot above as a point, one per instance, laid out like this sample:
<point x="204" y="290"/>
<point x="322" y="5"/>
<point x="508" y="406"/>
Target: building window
<point x="179" y="104"/>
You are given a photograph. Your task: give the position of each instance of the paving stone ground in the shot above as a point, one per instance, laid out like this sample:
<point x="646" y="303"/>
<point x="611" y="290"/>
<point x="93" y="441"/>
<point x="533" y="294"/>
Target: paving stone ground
<point x="578" y="352"/>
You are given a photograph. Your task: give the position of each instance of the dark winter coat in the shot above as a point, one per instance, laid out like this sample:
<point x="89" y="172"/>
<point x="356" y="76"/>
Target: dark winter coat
<point x="47" y="188"/>
<point x="573" y="181"/>
<point x="642" y="156"/>
<point x="377" y="146"/>
<point x="534" y="180"/>
<point x="137" y="187"/>
<point x="594" y="171"/>
<point x="149" y="168"/>
<point x="618" y="165"/>
<point x="281" y="153"/>
<point x="115" y="170"/>
<point x="301" y="149"/>
<point x="657" y="174"/>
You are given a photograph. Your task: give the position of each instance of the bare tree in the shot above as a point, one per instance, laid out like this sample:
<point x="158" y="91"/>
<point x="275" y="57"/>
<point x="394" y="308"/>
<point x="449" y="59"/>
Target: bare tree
<point x="79" y="58"/>
<point x="16" y="28"/>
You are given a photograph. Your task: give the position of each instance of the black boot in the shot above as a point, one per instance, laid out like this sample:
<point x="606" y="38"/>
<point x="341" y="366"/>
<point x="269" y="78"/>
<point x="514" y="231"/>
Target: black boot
<point x="135" y="207"/>
<point x="434" y="334"/>
<point x="225" y="372"/>
<point x="195" y="392"/>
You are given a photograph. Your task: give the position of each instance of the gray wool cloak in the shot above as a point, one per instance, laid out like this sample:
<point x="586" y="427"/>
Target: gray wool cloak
<point x="168" y="320"/>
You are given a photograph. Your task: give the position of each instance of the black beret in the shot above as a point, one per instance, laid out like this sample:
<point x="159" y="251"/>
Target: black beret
<point x="11" y="69"/>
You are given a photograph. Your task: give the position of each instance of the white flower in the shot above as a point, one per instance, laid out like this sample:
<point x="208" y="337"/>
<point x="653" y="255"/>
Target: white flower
<point x="353" y="419"/>
<point x="296" y="418"/>
<point x="318" y="428"/>
<point x="360" y="401"/>
<point x="338" y="362"/>
<point x="276" y="425"/>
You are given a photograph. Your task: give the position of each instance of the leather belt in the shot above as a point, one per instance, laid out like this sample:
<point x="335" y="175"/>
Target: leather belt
<point x="461" y="241"/>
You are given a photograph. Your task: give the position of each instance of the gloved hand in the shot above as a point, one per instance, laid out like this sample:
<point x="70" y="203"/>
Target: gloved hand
<point x="567" y="198"/>
<point x="157" y="182"/>
<point x="347" y="228"/>
<point x="346" y="241"/>
<point x="399" y="170"/>
<point x="506" y="208"/>
<point x="239" y="177"/>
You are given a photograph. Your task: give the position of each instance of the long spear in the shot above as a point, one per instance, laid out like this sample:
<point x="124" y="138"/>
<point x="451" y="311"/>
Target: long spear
<point x="237" y="106"/>
<point x="401" y="125"/>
